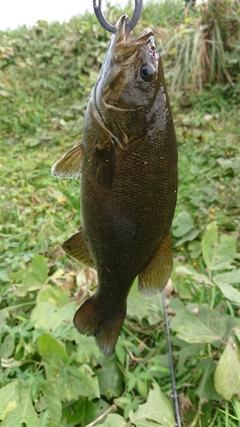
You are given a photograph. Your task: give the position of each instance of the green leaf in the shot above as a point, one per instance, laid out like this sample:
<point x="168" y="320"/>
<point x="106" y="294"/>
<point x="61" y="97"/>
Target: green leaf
<point x="189" y="270"/>
<point x="191" y="235"/>
<point x="40" y="268"/>
<point x="158" y="410"/>
<point x="227" y="375"/>
<point x="94" y="410"/>
<point x="195" y="249"/>
<point x="23" y="413"/>
<point x="3" y="317"/>
<point x="140" y="307"/>
<point x="83" y="412"/>
<point x="229" y="277"/>
<point x="114" y="420"/>
<point x="33" y="277"/>
<point x="205" y="389"/>
<point x="54" y="294"/>
<point x="49" y="317"/>
<point x="54" y="405"/>
<point x="70" y="387"/>
<point x="218" y="251"/>
<point x="7" y="347"/>
<point x="186" y="352"/>
<point x="110" y="378"/>
<point x="52" y="350"/>
<point x="182" y="224"/>
<point x="4" y="277"/>
<point x="230" y="292"/>
<point x="9" y="398"/>
<point x="203" y="327"/>
<point x="87" y="349"/>
<point x="223" y="280"/>
<point x="237" y="333"/>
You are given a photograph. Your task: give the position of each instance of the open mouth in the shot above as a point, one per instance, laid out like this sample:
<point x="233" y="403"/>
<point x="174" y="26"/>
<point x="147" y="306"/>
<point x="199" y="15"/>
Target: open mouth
<point x="125" y="49"/>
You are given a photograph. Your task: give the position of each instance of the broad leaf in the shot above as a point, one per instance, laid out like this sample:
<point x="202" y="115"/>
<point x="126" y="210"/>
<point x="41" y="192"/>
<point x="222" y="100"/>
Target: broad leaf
<point x="7" y="347"/>
<point x="114" y="420"/>
<point x="83" y="412"/>
<point x="9" y="398"/>
<point x="219" y="251"/>
<point x="34" y="277"/>
<point x="3" y="317"/>
<point x="205" y="389"/>
<point x="227" y="375"/>
<point x="140" y="307"/>
<point x="237" y="333"/>
<point x="82" y="383"/>
<point x="189" y="237"/>
<point x="182" y="224"/>
<point x="230" y="292"/>
<point x="23" y="413"/>
<point x="186" y="352"/>
<point x="158" y="410"/>
<point x="54" y="294"/>
<point x="52" y="350"/>
<point x="189" y="270"/>
<point x="203" y="327"/>
<point x="229" y="277"/>
<point x="87" y="350"/>
<point x="54" y="405"/>
<point x="223" y="282"/>
<point x="110" y="378"/>
<point x="49" y="317"/>
<point x="40" y="268"/>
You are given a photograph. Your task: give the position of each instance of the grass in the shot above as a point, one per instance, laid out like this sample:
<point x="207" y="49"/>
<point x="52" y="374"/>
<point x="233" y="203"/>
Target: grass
<point x="46" y="74"/>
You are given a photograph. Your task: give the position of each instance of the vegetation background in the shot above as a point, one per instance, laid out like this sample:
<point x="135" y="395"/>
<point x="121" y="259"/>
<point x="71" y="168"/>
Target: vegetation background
<point x="51" y="376"/>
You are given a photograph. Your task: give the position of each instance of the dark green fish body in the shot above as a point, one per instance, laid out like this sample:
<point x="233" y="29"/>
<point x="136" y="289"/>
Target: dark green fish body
<point x="128" y="160"/>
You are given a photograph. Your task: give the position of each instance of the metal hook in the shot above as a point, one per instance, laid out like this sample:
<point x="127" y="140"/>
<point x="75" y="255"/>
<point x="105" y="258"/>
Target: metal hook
<point x="111" y="28"/>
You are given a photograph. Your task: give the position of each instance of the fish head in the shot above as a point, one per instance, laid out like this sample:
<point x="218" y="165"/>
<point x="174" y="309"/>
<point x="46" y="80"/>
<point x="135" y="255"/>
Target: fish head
<point x="129" y="80"/>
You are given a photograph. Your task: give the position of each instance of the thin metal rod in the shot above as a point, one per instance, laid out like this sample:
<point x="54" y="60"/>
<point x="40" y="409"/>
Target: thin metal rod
<point x="111" y="28"/>
<point x="175" y="397"/>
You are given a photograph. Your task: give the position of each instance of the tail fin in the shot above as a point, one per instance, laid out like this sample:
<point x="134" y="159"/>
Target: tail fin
<point x="104" y="323"/>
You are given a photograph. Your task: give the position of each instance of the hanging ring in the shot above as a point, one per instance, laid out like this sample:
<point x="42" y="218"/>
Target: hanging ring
<point x="111" y="28"/>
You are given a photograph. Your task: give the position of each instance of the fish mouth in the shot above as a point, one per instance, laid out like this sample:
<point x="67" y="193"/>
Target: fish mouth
<point x="125" y="49"/>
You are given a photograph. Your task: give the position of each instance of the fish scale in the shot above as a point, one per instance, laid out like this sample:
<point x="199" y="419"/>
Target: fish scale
<point x="128" y="163"/>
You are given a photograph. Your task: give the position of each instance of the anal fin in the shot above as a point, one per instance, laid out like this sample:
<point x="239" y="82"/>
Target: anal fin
<point x="69" y="166"/>
<point x="155" y="276"/>
<point x="76" y="247"/>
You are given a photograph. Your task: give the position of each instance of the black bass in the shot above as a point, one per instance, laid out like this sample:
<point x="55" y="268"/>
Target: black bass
<point x="128" y="163"/>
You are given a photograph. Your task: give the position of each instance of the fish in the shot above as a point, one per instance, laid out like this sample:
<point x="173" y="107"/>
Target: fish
<point x="127" y="161"/>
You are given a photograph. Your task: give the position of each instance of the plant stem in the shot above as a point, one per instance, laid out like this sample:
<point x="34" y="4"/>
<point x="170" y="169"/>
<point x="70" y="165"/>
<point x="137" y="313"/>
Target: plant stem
<point x="112" y="408"/>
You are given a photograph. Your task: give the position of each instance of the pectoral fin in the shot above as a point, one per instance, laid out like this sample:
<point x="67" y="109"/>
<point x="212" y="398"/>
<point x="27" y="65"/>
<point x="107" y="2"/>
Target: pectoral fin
<point x="155" y="276"/>
<point x="76" y="247"/>
<point x="103" y="164"/>
<point x="69" y="166"/>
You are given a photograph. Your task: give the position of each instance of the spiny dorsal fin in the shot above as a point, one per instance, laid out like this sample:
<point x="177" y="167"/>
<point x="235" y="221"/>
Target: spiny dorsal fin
<point x="76" y="247"/>
<point x="155" y="276"/>
<point x="69" y="166"/>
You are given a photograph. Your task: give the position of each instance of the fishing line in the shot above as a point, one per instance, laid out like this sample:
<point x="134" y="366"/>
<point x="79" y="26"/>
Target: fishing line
<point x="175" y="397"/>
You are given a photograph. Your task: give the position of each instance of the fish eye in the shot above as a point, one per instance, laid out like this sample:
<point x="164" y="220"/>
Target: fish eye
<point x="147" y="72"/>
